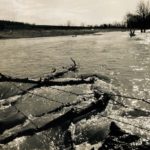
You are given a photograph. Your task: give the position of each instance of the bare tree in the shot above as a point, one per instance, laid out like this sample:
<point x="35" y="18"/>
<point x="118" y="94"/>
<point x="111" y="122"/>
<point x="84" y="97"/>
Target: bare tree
<point x="82" y="24"/>
<point x="131" y="23"/>
<point x="143" y="10"/>
<point x="68" y="23"/>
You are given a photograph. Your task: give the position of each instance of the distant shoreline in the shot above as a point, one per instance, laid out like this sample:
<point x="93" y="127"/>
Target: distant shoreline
<point x="15" y="30"/>
<point x="25" y="33"/>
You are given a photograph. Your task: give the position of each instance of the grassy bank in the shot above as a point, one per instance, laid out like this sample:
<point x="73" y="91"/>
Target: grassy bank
<point x="9" y="34"/>
<point x="13" y="34"/>
<point x="13" y="29"/>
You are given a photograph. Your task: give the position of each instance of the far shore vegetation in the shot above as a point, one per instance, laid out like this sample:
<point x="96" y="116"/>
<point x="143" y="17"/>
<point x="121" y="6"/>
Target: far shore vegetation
<point x="139" y="20"/>
<point x="11" y="29"/>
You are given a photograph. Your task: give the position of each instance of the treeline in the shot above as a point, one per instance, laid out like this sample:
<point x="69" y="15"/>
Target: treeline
<point x="11" y="25"/>
<point x="140" y="19"/>
<point x="4" y="25"/>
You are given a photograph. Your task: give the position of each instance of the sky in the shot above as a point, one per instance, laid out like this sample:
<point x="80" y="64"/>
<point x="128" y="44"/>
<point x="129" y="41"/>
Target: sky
<point x="60" y="12"/>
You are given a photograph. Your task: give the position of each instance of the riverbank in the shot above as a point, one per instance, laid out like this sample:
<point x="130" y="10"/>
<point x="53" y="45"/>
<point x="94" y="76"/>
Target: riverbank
<point x="14" y="34"/>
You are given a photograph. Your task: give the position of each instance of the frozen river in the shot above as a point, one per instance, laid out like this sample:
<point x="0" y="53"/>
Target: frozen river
<point x="125" y="60"/>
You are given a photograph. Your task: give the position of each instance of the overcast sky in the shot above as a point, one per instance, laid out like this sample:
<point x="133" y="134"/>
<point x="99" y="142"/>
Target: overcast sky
<point x="60" y="11"/>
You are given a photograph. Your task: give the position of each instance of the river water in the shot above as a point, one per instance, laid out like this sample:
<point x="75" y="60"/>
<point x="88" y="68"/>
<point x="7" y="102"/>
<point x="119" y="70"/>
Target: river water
<point x="123" y="59"/>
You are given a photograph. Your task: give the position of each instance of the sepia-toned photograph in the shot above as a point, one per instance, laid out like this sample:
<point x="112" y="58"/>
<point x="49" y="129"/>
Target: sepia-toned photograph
<point x="74" y="74"/>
